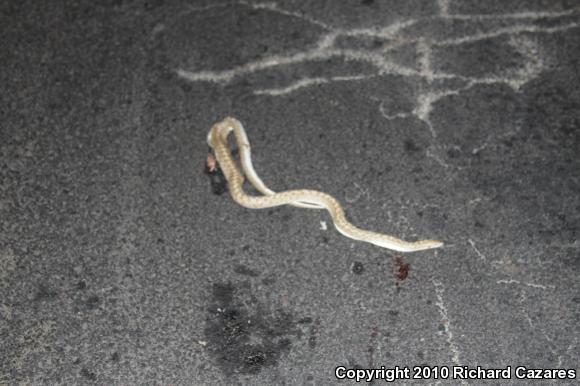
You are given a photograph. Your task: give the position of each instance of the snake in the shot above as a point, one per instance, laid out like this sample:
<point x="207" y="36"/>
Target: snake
<point x="217" y="139"/>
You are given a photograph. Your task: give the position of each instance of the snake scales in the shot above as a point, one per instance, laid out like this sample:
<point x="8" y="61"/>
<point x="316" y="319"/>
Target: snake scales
<point x="218" y="141"/>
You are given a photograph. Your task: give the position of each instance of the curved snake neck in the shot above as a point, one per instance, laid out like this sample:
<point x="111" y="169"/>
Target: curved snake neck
<point x="218" y="140"/>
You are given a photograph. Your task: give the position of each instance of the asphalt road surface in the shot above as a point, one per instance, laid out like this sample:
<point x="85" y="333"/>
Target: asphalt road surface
<point x="121" y="262"/>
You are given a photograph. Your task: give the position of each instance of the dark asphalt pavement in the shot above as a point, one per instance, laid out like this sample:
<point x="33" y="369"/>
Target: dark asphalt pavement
<point x="452" y="120"/>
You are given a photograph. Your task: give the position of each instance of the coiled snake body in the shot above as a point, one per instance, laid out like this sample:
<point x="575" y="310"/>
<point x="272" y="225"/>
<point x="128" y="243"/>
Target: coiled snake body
<point x="218" y="141"/>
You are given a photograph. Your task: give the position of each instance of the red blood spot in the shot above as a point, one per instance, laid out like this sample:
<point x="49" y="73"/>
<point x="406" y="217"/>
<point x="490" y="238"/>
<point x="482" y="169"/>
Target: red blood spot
<point x="211" y="165"/>
<point x="402" y="270"/>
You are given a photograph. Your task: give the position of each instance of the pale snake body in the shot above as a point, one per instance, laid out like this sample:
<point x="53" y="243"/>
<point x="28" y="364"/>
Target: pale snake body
<point x="218" y="141"/>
